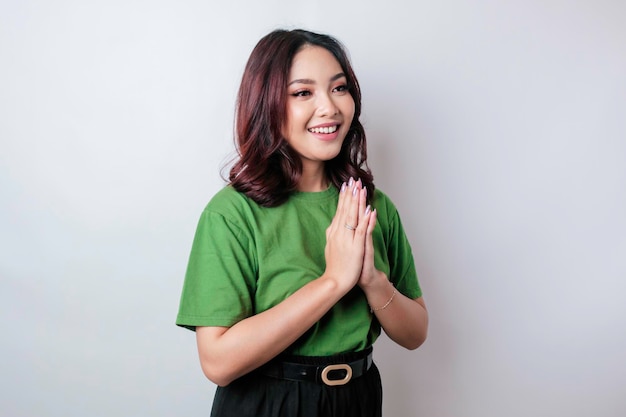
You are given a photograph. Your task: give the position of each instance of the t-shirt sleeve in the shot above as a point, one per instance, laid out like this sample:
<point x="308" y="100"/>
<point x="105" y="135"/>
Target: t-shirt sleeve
<point x="220" y="278"/>
<point x="402" y="265"/>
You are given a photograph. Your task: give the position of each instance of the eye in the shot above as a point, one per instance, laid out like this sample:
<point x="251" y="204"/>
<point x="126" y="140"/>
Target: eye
<point x="343" y="88"/>
<point x="301" y="93"/>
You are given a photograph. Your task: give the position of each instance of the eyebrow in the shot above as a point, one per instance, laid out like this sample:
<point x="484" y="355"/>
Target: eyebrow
<point x="310" y="81"/>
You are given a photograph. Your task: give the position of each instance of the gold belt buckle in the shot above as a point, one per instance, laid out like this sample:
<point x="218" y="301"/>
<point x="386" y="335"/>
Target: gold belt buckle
<point x="342" y="381"/>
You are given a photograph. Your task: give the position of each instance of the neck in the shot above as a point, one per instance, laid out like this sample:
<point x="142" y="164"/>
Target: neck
<point x="313" y="178"/>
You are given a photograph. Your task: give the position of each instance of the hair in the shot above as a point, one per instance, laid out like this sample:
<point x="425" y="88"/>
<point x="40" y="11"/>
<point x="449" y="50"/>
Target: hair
<point x="266" y="168"/>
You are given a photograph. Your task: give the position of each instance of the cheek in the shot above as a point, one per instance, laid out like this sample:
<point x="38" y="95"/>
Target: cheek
<point x="293" y="122"/>
<point x="293" y="117"/>
<point x="349" y="109"/>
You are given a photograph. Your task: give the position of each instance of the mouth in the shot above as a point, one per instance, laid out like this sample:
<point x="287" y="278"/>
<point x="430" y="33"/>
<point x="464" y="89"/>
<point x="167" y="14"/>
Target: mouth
<point x="324" y="130"/>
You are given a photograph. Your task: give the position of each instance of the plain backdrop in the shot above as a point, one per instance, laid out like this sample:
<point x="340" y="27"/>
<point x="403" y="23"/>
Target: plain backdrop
<point x="498" y="128"/>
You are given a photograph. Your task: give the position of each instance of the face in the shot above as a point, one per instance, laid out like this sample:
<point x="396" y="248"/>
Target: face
<point x="319" y="106"/>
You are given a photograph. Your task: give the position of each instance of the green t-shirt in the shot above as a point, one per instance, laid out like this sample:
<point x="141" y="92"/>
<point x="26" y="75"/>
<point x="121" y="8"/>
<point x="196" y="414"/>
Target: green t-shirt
<point x="247" y="258"/>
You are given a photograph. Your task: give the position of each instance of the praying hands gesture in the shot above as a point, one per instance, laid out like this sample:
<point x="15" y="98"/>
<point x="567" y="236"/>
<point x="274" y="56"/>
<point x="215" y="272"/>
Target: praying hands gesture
<point x="349" y="249"/>
<point x="349" y="244"/>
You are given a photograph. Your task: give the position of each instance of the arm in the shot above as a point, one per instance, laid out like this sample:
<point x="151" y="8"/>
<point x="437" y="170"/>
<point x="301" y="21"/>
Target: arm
<point x="227" y="353"/>
<point x="405" y="320"/>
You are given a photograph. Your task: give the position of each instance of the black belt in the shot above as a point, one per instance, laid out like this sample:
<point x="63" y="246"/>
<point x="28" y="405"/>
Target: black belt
<point x="329" y="374"/>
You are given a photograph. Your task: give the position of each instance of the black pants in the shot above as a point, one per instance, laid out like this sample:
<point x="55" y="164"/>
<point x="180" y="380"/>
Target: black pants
<point x="256" y="395"/>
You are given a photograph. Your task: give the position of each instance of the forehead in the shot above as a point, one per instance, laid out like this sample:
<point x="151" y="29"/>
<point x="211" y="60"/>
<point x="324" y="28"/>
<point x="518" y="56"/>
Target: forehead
<point x="314" y="62"/>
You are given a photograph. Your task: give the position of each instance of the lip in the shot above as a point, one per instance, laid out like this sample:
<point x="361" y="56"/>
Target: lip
<point x="325" y="125"/>
<point x="326" y="137"/>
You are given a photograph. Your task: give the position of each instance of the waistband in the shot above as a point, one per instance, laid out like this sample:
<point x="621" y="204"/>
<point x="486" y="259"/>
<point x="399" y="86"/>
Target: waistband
<point x="329" y="370"/>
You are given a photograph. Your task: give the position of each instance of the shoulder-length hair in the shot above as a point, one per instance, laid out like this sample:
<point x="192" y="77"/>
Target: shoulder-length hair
<point x="267" y="169"/>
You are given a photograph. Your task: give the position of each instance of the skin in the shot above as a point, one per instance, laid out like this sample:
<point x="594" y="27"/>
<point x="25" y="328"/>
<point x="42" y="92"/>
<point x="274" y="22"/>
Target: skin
<point x="317" y="98"/>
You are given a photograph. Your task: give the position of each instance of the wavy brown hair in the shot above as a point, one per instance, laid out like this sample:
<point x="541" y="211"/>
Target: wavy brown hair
<point x="267" y="169"/>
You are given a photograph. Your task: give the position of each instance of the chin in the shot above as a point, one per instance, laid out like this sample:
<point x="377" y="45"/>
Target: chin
<point x="330" y="156"/>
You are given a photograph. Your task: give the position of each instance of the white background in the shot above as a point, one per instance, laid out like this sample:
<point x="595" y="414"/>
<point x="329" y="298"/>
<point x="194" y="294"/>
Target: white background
<point x="498" y="128"/>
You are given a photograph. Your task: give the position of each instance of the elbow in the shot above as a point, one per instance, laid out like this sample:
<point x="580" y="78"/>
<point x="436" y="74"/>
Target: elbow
<point x="410" y="342"/>
<point x="420" y="330"/>
<point x="217" y="379"/>
<point x="416" y="338"/>
<point x="219" y="374"/>
<point x="217" y="361"/>
<point x="416" y="342"/>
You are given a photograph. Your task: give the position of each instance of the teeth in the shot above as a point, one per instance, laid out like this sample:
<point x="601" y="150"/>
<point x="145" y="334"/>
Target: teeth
<point x="329" y="129"/>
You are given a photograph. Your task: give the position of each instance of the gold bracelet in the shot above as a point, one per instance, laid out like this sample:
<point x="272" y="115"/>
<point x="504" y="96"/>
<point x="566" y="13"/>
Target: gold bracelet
<point x="386" y="304"/>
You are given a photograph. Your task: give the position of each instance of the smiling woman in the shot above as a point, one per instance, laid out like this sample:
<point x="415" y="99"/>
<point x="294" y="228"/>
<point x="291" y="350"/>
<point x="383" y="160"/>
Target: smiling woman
<point x="319" y="112"/>
<point x="299" y="262"/>
<point x="277" y="77"/>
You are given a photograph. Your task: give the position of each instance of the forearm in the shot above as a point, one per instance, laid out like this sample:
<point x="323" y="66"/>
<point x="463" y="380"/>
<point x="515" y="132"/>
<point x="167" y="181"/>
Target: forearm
<point x="404" y="320"/>
<point x="228" y="353"/>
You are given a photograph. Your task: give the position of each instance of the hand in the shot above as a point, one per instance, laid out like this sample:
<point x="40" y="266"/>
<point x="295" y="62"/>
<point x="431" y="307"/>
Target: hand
<point x="345" y="237"/>
<point x="369" y="273"/>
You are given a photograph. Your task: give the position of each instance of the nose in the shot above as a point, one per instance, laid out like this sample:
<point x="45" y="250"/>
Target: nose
<point x="326" y="105"/>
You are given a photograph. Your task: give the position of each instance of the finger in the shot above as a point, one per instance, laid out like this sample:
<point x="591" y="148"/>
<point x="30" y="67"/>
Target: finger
<point x="335" y="222"/>
<point x="341" y="201"/>
<point x="373" y="218"/>
<point x="352" y="207"/>
<point x="368" y="259"/>
<point x="362" y="203"/>
<point x="344" y="205"/>
<point x="369" y="241"/>
<point x="362" y="229"/>
<point x="369" y="220"/>
<point x="342" y="196"/>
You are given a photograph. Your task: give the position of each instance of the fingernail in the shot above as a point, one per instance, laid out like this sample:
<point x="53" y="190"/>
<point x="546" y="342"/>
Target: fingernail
<point x="365" y="191"/>
<point x="343" y="187"/>
<point x="351" y="182"/>
<point x="354" y="190"/>
<point x="367" y="210"/>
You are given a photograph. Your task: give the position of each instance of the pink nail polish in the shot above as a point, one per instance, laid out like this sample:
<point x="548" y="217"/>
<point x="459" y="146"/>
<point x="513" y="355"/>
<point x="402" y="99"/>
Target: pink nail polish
<point x="351" y="182"/>
<point x="367" y="210"/>
<point x="354" y="190"/>
<point x="343" y="187"/>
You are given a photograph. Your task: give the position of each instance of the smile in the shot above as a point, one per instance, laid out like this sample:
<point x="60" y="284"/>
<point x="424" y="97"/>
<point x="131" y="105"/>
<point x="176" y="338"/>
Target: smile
<point x="325" y="130"/>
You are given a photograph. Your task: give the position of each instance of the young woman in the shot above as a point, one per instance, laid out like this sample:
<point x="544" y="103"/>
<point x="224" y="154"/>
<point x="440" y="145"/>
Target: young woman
<point x="298" y="262"/>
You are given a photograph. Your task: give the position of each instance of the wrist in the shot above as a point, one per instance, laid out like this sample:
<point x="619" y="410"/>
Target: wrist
<point x="377" y="283"/>
<point x="384" y="306"/>
<point x="333" y="284"/>
<point x="380" y="293"/>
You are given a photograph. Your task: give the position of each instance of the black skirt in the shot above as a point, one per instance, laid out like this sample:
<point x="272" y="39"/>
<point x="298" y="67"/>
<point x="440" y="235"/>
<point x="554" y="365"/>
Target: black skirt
<point x="259" y="395"/>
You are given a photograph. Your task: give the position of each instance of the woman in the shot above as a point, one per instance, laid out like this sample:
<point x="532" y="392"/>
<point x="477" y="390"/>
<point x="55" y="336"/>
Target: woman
<point x="299" y="261"/>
